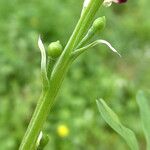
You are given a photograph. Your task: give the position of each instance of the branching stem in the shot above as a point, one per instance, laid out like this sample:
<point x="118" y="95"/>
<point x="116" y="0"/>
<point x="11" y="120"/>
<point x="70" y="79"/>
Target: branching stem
<point x="48" y="97"/>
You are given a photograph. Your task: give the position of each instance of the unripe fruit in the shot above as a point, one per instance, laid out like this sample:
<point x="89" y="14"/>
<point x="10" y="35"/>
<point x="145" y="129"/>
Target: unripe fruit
<point x="99" y="24"/>
<point x="55" y="49"/>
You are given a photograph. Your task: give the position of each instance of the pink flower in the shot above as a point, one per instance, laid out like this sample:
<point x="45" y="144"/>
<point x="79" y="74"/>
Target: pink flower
<point x="119" y="1"/>
<point x="108" y="3"/>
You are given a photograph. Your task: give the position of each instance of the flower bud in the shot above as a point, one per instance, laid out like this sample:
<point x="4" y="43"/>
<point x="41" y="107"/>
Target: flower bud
<point x="99" y="24"/>
<point x="42" y="141"/>
<point x="55" y="49"/>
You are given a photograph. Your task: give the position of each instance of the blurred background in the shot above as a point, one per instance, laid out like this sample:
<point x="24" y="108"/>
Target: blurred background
<point x="74" y="122"/>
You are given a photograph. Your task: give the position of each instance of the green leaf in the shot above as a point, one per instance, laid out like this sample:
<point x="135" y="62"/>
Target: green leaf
<point x="79" y="51"/>
<point x="43" y="63"/>
<point x="145" y="115"/>
<point x="113" y="121"/>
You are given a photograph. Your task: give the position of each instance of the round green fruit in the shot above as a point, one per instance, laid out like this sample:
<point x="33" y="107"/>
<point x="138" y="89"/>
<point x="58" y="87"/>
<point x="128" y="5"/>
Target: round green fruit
<point x="55" y="49"/>
<point x="99" y="24"/>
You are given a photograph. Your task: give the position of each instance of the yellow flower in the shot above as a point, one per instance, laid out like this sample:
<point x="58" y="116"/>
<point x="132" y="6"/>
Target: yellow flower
<point x="63" y="131"/>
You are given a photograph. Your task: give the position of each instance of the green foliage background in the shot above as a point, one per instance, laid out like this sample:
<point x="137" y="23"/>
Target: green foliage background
<point x="97" y="73"/>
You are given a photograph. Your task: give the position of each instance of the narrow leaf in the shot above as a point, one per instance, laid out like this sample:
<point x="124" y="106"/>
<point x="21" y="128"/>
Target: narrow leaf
<point x="113" y="121"/>
<point x="79" y="51"/>
<point x="43" y="63"/>
<point x="43" y="54"/>
<point x="50" y="66"/>
<point x="145" y="115"/>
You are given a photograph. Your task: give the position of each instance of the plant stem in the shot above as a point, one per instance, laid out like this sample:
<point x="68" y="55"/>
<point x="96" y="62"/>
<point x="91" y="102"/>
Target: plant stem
<point x="46" y="101"/>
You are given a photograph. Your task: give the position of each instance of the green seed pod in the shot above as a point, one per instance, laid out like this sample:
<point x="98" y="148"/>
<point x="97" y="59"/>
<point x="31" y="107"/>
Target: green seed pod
<point x="99" y="24"/>
<point x="55" y="49"/>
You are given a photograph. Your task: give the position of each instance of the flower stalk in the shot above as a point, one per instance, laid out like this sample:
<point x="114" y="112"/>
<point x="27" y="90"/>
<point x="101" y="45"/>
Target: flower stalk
<point x="53" y="84"/>
<point x="54" y="70"/>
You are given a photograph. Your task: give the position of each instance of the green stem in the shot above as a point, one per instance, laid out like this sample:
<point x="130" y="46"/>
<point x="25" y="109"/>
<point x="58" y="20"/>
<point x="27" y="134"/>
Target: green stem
<point x="79" y="32"/>
<point x="37" y="121"/>
<point x="41" y="112"/>
<point x="45" y="103"/>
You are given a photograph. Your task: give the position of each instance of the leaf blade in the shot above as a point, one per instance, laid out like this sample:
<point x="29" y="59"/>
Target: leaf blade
<point x="79" y="51"/>
<point x="145" y="115"/>
<point x="43" y="64"/>
<point x="113" y="121"/>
